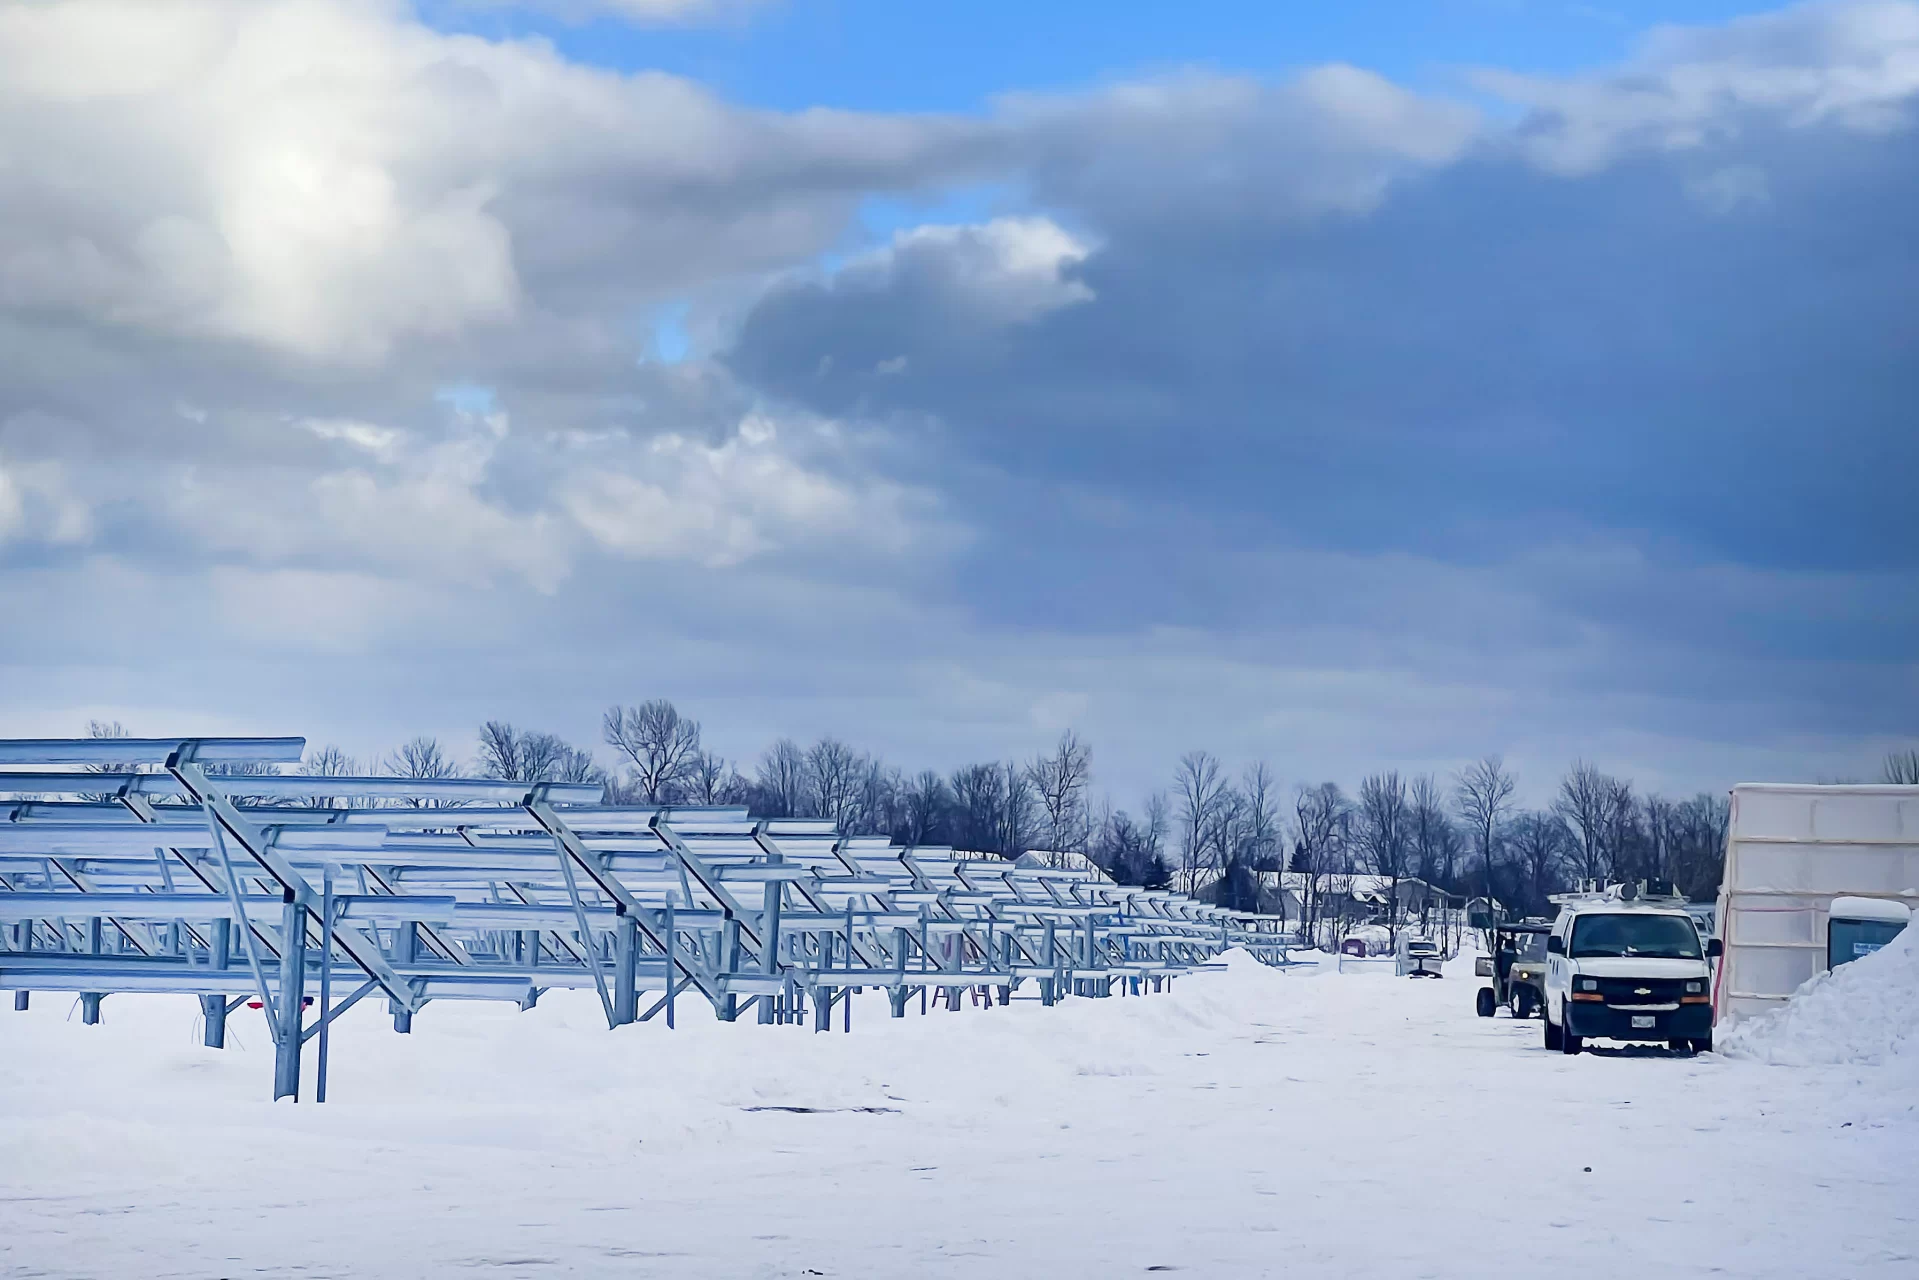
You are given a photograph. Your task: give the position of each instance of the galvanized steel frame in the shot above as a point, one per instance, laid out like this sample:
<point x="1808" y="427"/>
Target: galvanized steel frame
<point x="517" y="888"/>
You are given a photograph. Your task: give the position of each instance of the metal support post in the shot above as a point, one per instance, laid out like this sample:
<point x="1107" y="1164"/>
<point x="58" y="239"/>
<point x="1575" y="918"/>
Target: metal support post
<point x="770" y="940"/>
<point x="326" y="981"/>
<point x="213" y="1013"/>
<point x="406" y="951"/>
<point x="20" y="1001"/>
<point x="293" y="966"/>
<point x="672" y="983"/>
<point x="626" y="969"/>
<point x="729" y="1007"/>
<point x="90" y="1007"/>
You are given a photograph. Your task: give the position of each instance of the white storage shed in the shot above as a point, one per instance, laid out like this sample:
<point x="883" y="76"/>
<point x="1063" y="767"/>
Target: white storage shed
<point x="1790" y="850"/>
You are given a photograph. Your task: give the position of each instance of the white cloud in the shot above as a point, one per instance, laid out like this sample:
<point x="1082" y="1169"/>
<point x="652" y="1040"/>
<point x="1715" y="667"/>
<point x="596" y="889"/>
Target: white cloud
<point x="38" y="502"/>
<point x="396" y="503"/>
<point x="663" y="12"/>
<point x="1851" y="65"/>
<point x="331" y="180"/>
<point x="1007" y="270"/>
<point x="719" y="505"/>
<point x="1329" y="140"/>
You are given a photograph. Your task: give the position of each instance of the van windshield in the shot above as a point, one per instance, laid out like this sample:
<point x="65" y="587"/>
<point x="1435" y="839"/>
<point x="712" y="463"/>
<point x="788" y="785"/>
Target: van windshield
<point x="1672" y="937"/>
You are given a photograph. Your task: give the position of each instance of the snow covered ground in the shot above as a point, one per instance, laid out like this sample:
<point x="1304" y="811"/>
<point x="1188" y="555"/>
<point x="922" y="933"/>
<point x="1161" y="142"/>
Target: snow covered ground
<point x="1250" y="1123"/>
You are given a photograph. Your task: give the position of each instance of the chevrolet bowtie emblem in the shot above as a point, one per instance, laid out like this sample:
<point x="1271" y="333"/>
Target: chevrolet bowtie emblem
<point x="1642" y="991"/>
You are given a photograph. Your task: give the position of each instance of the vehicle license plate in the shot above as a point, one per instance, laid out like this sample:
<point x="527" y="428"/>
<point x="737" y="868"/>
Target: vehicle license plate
<point x="1642" y="1021"/>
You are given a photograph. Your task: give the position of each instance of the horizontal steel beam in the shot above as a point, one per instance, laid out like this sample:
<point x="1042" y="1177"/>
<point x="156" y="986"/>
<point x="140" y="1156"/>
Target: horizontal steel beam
<point x="137" y="751"/>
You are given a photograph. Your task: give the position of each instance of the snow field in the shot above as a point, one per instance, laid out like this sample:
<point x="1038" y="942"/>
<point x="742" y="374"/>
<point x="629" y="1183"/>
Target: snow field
<point x="1249" y="1122"/>
<point x="1865" y="1013"/>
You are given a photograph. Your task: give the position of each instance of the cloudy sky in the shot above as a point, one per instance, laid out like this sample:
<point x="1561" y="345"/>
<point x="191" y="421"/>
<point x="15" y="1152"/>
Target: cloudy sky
<point x="1376" y="388"/>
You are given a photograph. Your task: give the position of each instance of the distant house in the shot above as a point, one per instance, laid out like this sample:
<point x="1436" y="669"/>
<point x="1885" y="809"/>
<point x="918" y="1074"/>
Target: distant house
<point x="1286" y="893"/>
<point x="1279" y="893"/>
<point x="1476" y="911"/>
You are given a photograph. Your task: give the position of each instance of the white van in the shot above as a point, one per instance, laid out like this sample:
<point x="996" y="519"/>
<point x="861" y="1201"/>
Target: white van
<point x="1620" y="966"/>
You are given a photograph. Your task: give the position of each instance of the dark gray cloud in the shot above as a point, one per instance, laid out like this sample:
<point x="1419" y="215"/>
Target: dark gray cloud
<point x="1627" y="383"/>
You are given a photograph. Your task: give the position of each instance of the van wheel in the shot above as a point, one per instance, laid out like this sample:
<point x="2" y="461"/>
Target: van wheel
<point x="1703" y="1044"/>
<point x="1484" y="1004"/>
<point x="1570" y="1043"/>
<point x="1552" y="1032"/>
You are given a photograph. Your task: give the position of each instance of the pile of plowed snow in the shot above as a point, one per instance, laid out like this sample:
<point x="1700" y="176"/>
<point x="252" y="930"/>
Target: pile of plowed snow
<point x="1865" y="1013"/>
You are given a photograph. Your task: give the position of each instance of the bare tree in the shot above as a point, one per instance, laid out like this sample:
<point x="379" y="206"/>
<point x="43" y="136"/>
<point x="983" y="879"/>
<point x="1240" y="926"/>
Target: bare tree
<point x="1539" y="843"/>
<point x="1016" y="811"/>
<point x="1262" y="835"/>
<point x="1383" y="823"/>
<point x="925" y="806"/>
<point x="421" y="757"/>
<point x="1198" y="790"/>
<point x="576" y="764"/>
<point x="1902" y="767"/>
<point x="499" y="750"/>
<point x="780" y="779"/>
<point x="1483" y="792"/>
<point x="329" y="762"/>
<point x="1321" y="817"/>
<point x="1663" y="829"/>
<point x="523" y="755"/>
<point x="1059" y="783"/>
<point x="979" y="798"/>
<point x="1699" y="863"/>
<point x="542" y="755"/>
<point x="875" y="798"/>
<point x="834" y="775"/>
<point x="1589" y="801"/>
<point x="704" y="779"/>
<point x="1431" y="853"/>
<point x="660" y="743"/>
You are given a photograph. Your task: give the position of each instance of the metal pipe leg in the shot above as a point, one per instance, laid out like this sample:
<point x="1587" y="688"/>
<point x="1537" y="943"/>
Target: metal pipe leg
<point x="213" y="1011"/>
<point x="90" y="1008"/>
<point x="293" y="972"/>
<point x="406" y="951"/>
<point x="626" y="986"/>
<point x="20" y="1001"/>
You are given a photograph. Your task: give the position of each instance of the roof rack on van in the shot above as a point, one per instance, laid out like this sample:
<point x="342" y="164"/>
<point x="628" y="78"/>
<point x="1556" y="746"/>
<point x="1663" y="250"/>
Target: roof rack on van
<point x="1661" y="891"/>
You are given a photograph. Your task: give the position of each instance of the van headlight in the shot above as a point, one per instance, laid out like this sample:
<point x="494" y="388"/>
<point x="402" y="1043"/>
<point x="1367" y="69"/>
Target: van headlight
<point x="1589" y="984"/>
<point x="1694" y="988"/>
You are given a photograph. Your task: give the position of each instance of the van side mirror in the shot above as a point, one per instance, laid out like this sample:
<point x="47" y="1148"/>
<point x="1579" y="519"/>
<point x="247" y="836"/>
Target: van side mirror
<point x="1714" y="948"/>
<point x="1555" y="945"/>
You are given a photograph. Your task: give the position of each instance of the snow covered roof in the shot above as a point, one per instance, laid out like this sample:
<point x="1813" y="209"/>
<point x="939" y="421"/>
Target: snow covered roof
<point x="1855" y="908"/>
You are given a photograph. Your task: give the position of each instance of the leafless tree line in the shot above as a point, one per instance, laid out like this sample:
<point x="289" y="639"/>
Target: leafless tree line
<point x="1210" y="832"/>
